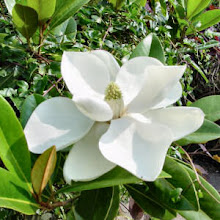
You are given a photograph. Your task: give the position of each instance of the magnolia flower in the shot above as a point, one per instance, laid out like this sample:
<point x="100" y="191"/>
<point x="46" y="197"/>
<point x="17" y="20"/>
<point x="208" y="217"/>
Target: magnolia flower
<point x="118" y="116"/>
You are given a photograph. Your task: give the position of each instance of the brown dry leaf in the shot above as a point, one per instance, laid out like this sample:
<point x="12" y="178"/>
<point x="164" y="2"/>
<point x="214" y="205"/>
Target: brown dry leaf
<point x="216" y="158"/>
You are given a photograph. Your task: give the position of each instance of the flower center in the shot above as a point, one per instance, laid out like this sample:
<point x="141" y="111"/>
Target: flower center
<point x="112" y="92"/>
<point x="113" y="97"/>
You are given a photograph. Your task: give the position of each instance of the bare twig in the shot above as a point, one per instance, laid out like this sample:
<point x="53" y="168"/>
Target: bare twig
<point x="52" y="206"/>
<point x="106" y="34"/>
<point x="124" y="206"/>
<point x="54" y="85"/>
<point x="192" y="164"/>
<point x="205" y="150"/>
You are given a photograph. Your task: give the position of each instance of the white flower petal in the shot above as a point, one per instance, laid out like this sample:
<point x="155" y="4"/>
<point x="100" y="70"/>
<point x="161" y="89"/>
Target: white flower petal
<point x="173" y="96"/>
<point x="181" y="120"/>
<point x="58" y="122"/>
<point x="85" y="161"/>
<point x="94" y="108"/>
<point x="84" y="73"/>
<point x="138" y="147"/>
<point x="131" y="76"/>
<point x="109" y="61"/>
<point x="157" y="83"/>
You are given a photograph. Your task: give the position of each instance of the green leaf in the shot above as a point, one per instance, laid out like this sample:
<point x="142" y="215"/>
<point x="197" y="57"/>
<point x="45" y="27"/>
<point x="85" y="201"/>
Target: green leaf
<point x="15" y="194"/>
<point x="210" y="202"/>
<point x="44" y="8"/>
<point x="98" y="204"/>
<point x="196" y="67"/>
<point x="146" y="202"/>
<point x="25" y="19"/>
<point x="180" y="12"/>
<point x="156" y="198"/>
<point x="209" y="131"/>
<point x="204" y="21"/>
<point x="43" y="169"/>
<point x="150" y="47"/>
<point x="165" y="196"/>
<point x="117" y="3"/>
<point x="163" y="7"/>
<point x="10" y="4"/>
<point x="181" y="179"/>
<point x="14" y="151"/>
<point x="71" y="27"/>
<point x="64" y="10"/>
<point x="192" y="215"/>
<point x="114" y="206"/>
<point x="15" y="186"/>
<point x="172" y="197"/>
<point x="210" y="105"/>
<point x="70" y="215"/>
<point x="2" y="37"/>
<point x="194" y="7"/>
<point x="29" y="105"/>
<point x="140" y="2"/>
<point x="117" y="176"/>
<point x="68" y="28"/>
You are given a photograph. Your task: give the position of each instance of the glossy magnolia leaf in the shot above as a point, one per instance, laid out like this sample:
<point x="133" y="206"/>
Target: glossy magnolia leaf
<point x="30" y="103"/>
<point x="44" y="8"/>
<point x="98" y="204"/>
<point x="192" y="215"/>
<point x="14" y="151"/>
<point x="10" y="4"/>
<point x="64" y="10"/>
<point x="161" y="196"/>
<point x="166" y="197"/>
<point x="14" y="194"/>
<point x="210" y="200"/>
<point x="15" y="184"/>
<point x="181" y="179"/>
<point x="43" y="169"/>
<point x="209" y="131"/>
<point x="194" y="7"/>
<point x="117" y="176"/>
<point x="114" y="206"/>
<point x="150" y="47"/>
<point x="205" y="20"/>
<point x="210" y="105"/>
<point x="25" y="19"/>
<point x="147" y="203"/>
<point x="171" y="196"/>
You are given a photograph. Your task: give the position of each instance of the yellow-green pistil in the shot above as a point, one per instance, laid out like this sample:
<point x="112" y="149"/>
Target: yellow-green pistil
<point x="112" y="92"/>
<point x="113" y="97"/>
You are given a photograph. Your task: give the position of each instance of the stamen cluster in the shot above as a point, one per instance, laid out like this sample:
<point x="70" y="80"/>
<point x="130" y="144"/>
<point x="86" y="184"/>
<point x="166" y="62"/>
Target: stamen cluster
<point x="112" y="92"/>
